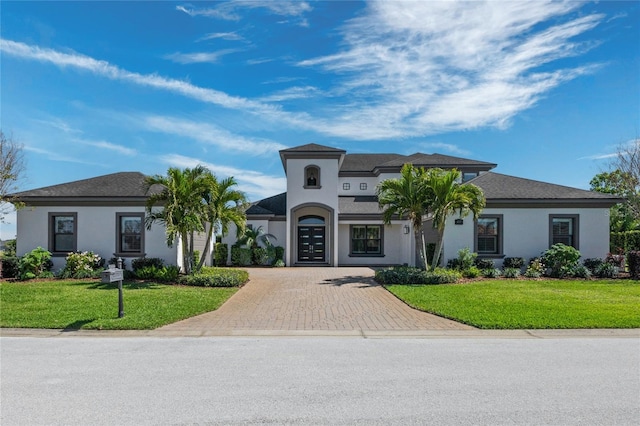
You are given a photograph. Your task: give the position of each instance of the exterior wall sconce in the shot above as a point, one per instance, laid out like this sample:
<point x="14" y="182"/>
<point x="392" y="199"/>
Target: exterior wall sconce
<point x="406" y="229"/>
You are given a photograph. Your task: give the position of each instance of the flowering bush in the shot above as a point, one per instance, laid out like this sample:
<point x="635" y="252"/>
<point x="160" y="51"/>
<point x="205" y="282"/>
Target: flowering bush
<point x="82" y="265"/>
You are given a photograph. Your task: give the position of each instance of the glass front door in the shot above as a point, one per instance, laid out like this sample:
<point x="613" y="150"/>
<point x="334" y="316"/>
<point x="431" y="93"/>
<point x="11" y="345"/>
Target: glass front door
<point x="311" y="244"/>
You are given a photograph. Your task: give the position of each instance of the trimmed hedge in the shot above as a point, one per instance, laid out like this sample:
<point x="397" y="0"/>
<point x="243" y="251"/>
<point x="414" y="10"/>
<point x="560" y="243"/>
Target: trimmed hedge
<point x="411" y="275"/>
<point x="220" y="254"/>
<point x="9" y="267"/>
<point x="240" y="256"/>
<point x="633" y="260"/>
<point x="216" y="277"/>
<point x="627" y="241"/>
<point x="513" y="262"/>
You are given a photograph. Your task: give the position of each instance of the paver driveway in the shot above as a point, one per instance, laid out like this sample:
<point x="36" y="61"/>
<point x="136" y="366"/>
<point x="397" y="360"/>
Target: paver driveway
<point x="311" y="299"/>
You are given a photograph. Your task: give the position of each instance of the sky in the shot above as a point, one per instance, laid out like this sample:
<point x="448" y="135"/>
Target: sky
<point x="547" y="90"/>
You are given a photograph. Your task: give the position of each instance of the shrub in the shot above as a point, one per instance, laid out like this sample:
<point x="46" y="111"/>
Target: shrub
<point x="143" y="262"/>
<point x="35" y="264"/>
<point x="411" y="275"/>
<point x="581" y="271"/>
<point x="279" y="263"/>
<point x="535" y="269"/>
<point x="279" y="253"/>
<point x="592" y="264"/>
<point x="491" y="273"/>
<point x="240" y="256"/>
<point x="216" y="277"/>
<point x="633" y="260"/>
<point x="511" y="272"/>
<point x="164" y="274"/>
<point x="9" y="266"/>
<point x="513" y="262"/>
<point x="84" y="264"/>
<point x="220" y="254"/>
<point x="561" y="259"/>
<point x="626" y="241"/>
<point x="485" y="264"/>
<point x="263" y="256"/>
<point x="606" y="270"/>
<point x="472" y="272"/>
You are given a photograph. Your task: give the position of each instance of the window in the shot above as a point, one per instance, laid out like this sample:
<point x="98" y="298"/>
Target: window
<point x="130" y="234"/>
<point x="346" y="186"/>
<point x="467" y="176"/>
<point x="489" y="235"/>
<point x="563" y="229"/>
<point x="366" y="240"/>
<point x="363" y="186"/>
<point x="63" y="232"/>
<point x="312" y="177"/>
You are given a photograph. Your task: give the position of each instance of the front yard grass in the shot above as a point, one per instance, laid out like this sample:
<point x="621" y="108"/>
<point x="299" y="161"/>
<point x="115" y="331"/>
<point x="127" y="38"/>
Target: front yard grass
<point x="90" y="304"/>
<point x="530" y="304"/>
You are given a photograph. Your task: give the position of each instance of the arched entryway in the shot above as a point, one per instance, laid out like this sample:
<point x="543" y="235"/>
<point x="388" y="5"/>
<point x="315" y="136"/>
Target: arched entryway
<point x="312" y="234"/>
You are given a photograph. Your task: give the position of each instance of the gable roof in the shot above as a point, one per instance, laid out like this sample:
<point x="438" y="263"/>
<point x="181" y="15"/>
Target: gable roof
<point x="276" y="205"/>
<point x="503" y="189"/>
<point x="116" y="186"/>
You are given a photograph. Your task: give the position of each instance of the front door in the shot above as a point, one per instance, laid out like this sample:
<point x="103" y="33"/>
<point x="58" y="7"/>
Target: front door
<point x="311" y="241"/>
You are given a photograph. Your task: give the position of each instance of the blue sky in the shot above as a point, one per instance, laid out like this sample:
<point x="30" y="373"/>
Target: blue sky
<point x="548" y="90"/>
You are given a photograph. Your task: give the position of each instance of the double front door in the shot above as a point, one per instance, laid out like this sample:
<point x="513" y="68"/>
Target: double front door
<point x="311" y="244"/>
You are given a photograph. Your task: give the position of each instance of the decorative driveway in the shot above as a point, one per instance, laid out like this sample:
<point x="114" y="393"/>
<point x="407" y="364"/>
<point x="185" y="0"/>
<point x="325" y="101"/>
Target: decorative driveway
<point x="309" y="300"/>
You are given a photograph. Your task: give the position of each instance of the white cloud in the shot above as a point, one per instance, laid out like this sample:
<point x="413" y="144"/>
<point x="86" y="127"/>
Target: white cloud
<point x="230" y="36"/>
<point x="230" y="10"/>
<point x="198" y="57"/>
<point x="118" y="149"/>
<point x="418" y="68"/>
<point x="298" y="92"/>
<point x="55" y="156"/>
<point x="210" y="134"/>
<point x="255" y="184"/>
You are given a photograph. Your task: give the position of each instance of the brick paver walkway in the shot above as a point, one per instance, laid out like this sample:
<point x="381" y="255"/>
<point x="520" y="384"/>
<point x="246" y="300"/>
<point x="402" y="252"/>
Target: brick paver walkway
<point x="305" y="299"/>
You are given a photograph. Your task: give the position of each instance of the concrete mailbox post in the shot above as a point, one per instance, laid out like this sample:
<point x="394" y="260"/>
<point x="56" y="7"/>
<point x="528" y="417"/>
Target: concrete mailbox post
<point x="112" y="275"/>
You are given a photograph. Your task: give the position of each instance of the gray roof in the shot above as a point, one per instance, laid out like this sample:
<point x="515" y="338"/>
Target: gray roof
<point x="373" y="163"/>
<point x="312" y="147"/>
<point x="116" y="185"/>
<point x="499" y="187"/>
<point x="276" y="205"/>
<point x="361" y="205"/>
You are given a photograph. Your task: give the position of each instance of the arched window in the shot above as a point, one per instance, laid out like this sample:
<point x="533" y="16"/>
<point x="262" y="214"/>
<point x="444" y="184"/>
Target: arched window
<point x="312" y="177"/>
<point x="311" y="220"/>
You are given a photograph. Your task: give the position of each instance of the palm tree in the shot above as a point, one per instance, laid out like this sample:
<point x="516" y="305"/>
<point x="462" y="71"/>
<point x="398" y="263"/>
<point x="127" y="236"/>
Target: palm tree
<point x="182" y="207"/>
<point x="251" y="237"/>
<point x="407" y="196"/>
<point x="223" y="206"/>
<point x="448" y="196"/>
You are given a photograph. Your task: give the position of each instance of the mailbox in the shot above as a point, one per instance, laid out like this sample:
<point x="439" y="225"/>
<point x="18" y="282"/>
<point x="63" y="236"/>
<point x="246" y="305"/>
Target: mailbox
<point x="112" y="275"/>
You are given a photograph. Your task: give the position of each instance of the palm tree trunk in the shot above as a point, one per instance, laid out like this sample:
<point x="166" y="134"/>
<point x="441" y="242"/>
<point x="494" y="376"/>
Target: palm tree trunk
<point x="438" y="250"/>
<point x="421" y="254"/>
<point x="186" y="265"/>
<point x="206" y="247"/>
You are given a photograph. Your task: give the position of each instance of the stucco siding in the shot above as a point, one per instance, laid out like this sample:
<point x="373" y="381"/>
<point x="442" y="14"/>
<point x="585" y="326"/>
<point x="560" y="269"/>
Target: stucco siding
<point x="397" y="247"/>
<point x="526" y="232"/>
<point x="96" y="231"/>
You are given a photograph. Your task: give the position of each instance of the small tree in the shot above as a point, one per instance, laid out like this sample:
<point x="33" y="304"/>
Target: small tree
<point x="11" y="171"/>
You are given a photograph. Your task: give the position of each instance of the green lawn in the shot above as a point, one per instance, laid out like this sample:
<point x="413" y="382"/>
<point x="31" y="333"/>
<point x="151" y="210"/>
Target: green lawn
<point x="530" y="304"/>
<point x="92" y="305"/>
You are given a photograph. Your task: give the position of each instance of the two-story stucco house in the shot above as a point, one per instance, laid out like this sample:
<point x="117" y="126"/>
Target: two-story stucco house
<point x="329" y="214"/>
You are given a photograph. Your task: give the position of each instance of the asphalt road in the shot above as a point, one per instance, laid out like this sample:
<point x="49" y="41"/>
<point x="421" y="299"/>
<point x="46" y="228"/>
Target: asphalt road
<point x="324" y="380"/>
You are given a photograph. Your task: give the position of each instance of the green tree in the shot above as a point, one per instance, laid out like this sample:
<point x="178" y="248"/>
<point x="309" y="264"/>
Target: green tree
<point x="182" y="207"/>
<point x="409" y="197"/>
<point x="251" y="237"/>
<point x="622" y="216"/>
<point x="223" y="206"/>
<point x="448" y="196"/>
